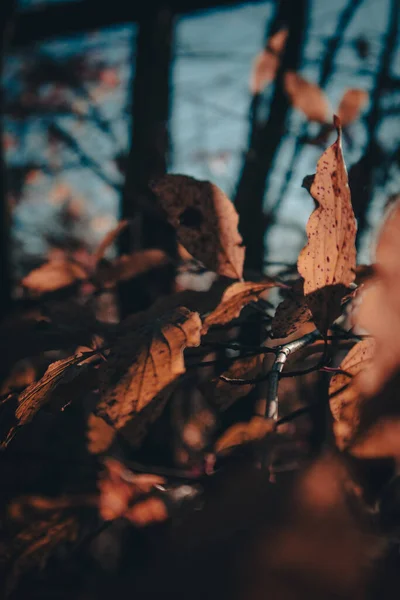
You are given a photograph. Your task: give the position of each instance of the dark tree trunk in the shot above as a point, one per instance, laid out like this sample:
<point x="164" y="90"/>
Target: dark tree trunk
<point x="150" y="144"/>
<point x="6" y="7"/>
<point x="266" y="137"/>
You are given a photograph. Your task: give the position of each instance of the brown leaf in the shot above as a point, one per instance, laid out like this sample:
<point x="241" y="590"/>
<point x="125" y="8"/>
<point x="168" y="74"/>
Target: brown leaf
<point x="144" y="361"/>
<point x="52" y="276"/>
<point x="242" y="433"/>
<point x="351" y="104"/>
<point x="382" y="440"/>
<point x="205" y="221"/>
<point x="379" y="306"/>
<point x="128" y="266"/>
<point x="235" y="298"/>
<point x="100" y="435"/>
<point x="307" y="97"/>
<point x="344" y="396"/>
<point x="328" y="261"/>
<point x="222" y="393"/>
<point x="292" y="313"/>
<point x="264" y="69"/>
<point x="40" y="392"/>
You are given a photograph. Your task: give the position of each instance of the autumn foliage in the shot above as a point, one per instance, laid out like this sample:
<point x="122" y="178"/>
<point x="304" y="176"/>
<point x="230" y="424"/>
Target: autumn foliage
<point x="239" y="388"/>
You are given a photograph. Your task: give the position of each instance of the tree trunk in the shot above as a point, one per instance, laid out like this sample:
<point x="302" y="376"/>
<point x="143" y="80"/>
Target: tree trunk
<point x="150" y="144"/>
<point x="266" y="137"/>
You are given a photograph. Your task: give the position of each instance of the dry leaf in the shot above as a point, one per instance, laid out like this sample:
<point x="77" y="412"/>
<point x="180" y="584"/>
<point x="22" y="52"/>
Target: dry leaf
<point x="344" y="396"/>
<point x="327" y="263"/>
<point x="40" y="392"/>
<point x="307" y="97"/>
<point x="242" y="433"/>
<point x="127" y="266"/>
<point x="144" y="361"/>
<point x="100" y="435"/>
<point x="235" y="298"/>
<point x="292" y="313"/>
<point x="382" y="440"/>
<point x="52" y="276"/>
<point x="379" y="306"/>
<point x="205" y="220"/>
<point x="351" y="104"/>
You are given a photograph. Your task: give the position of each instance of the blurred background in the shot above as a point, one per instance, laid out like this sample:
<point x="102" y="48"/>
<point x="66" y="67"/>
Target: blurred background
<point x="100" y="97"/>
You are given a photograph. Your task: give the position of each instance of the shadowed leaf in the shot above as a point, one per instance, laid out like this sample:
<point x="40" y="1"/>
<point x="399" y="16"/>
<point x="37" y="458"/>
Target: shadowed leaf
<point x="205" y="220"/>
<point x="242" y="433"/>
<point x="291" y="313"/>
<point x="52" y="276"/>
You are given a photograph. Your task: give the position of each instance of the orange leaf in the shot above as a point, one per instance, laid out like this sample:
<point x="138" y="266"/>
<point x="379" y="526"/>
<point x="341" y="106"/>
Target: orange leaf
<point x="100" y="435"/>
<point x="205" y="221"/>
<point x="307" y="97"/>
<point x="344" y="396"/>
<point x="351" y="104"/>
<point x="242" y="433"/>
<point x="222" y="393"/>
<point x="327" y="263"/>
<point x="109" y="239"/>
<point x="236" y="297"/>
<point x="52" y="276"/>
<point x="128" y="266"/>
<point x="145" y="360"/>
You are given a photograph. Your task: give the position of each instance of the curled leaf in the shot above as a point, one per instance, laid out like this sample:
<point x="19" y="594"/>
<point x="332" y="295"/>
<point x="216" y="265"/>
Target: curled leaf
<point x="235" y="298"/>
<point x="144" y="361"/>
<point x="307" y="97"/>
<point x="351" y="104"/>
<point x="242" y="433"/>
<point x="52" y="276"/>
<point x="327" y="263"/>
<point x="205" y="220"/>
<point x="344" y="395"/>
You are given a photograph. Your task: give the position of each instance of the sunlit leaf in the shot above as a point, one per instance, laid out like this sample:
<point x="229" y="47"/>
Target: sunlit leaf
<point x="52" y="276"/>
<point x="205" y="220"/>
<point x="327" y="263"/>
<point x="144" y="361"/>
<point x="351" y="105"/>
<point x="307" y="97"/>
